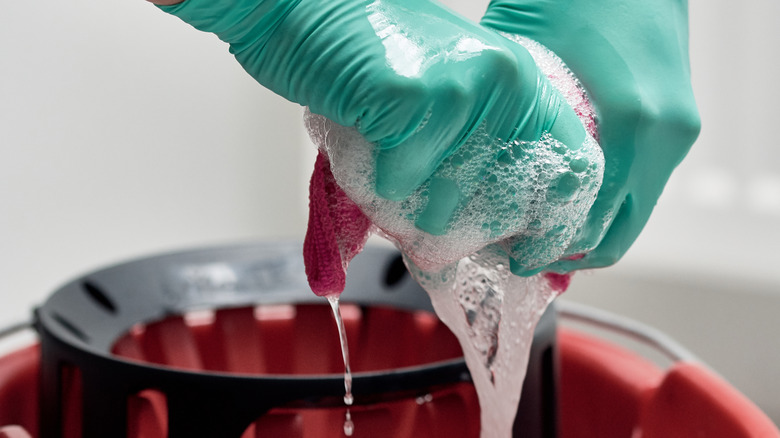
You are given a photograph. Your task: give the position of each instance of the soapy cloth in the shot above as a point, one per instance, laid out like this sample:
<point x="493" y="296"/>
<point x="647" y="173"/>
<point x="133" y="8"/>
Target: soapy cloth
<point x="338" y="229"/>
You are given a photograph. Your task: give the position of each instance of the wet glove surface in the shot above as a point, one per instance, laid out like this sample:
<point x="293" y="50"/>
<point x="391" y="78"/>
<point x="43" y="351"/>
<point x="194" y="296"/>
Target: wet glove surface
<point x="413" y="78"/>
<point x="632" y="58"/>
<point x="529" y="198"/>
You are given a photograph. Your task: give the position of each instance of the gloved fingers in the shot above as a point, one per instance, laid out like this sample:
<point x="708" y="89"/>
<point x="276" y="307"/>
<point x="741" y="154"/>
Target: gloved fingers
<point x="603" y="255"/>
<point x="402" y="168"/>
<point x="530" y="254"/>
<point x="599" y="246"/>
<point x="443" y="198"/>
<point x="517" y="268"/>
<point x="547" y="240"/>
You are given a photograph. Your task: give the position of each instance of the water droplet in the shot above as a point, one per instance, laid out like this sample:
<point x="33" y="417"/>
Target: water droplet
<point x="349" y="426"/>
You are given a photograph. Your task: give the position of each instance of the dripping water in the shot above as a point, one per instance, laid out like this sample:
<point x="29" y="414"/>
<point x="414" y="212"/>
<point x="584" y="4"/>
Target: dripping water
<point x="349" y="426"/>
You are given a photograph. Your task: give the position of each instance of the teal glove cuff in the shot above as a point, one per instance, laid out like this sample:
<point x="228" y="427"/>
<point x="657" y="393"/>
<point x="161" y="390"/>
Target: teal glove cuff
<point x="242" y="24"/>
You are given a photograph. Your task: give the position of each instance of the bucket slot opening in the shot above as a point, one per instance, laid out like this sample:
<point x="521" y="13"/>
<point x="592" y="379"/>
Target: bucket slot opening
<point x="99" y="297"/>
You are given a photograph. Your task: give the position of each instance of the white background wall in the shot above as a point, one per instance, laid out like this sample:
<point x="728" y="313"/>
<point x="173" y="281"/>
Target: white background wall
<point x="124" y="132"/>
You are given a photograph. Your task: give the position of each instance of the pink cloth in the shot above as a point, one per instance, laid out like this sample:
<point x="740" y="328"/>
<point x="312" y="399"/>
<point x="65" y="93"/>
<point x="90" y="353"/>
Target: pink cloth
<point x="558" y="282"/>
<point x="337" y="231"/>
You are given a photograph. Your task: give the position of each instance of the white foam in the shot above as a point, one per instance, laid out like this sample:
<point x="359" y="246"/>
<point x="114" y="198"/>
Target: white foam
<point x="526" y="200"/>
<point x="531" y="197"/>
<point x="523" y="192"/>
<point x="493" y="313"/>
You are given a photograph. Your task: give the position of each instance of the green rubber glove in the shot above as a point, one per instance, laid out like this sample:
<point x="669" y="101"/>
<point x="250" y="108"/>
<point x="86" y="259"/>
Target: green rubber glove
<point x="412" y="76"/>
<point x="632" y="57"/>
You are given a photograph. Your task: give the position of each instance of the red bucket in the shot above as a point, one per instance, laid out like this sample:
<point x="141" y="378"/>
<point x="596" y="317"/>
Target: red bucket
<point x="128" y="348"/>
<point x="272" y="341"/>
<point x="606" y="391"/>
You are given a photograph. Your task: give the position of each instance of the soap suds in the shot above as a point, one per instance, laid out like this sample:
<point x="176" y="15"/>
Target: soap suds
<point x="493" y="313"/>
<point x="523" y="202"/>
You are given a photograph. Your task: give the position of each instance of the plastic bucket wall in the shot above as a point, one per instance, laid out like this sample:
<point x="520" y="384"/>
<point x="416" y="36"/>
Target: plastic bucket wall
<point x="301" y="340"/>
<point x="606" y="392"/>
<point x="130" y="349"/>
<point x="268" y="347"/>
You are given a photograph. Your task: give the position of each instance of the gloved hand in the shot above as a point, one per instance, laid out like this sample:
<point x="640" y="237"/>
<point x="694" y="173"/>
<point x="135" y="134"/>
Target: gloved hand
<point x="632" y="58"/>
<point x="415" y="79"/>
